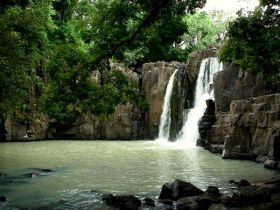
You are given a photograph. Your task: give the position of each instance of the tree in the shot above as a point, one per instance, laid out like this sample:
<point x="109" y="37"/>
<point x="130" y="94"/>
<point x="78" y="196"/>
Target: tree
<point x="55" y="45"/>
<point x="253" y="41"/>
<point x="88" y="34"/>
<point x="23" y="41"/>
<point x="203" y="30"/>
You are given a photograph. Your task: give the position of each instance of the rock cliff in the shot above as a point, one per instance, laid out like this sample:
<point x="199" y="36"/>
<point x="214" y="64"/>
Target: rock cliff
<point x="246" y="122"/>
<point x="124" y="124"/>
<point x="155" y="77"/>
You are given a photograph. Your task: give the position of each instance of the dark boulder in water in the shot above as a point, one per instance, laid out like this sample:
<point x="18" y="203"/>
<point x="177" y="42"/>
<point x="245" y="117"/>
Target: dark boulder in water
<point x="241" y="183"/>
<point x="44" y="170"/>
<point x="149" y="202"/>
<point x="31" y="174"/>
<point x="179" y="189"/>
<point x="2" y="175"/>
<point x="213" y="190"/>
<point x="124" y="202"/>
<point x="3" y="198"/>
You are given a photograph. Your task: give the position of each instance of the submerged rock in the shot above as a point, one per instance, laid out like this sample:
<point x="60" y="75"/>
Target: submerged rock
<point x="2" y="175"/>
<point x="241" y="183"/>
<point x="47" y="170"/>
<point x="31" y="174"/>
<point x="3" y="198"/>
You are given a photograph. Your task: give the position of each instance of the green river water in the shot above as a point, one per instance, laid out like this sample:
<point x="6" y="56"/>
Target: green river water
<point x="84" y="170"/>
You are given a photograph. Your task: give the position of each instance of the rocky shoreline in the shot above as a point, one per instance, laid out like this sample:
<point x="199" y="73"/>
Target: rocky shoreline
<point x="181" y="195"/>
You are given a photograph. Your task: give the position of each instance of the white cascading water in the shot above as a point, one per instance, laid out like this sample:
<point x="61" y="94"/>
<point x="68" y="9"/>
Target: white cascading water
<point x="203" y="91"/>
<point x="165" y="118"/>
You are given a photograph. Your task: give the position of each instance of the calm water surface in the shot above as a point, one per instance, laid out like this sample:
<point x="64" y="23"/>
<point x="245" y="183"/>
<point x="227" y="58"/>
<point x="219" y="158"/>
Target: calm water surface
<point x="84" y="170"/>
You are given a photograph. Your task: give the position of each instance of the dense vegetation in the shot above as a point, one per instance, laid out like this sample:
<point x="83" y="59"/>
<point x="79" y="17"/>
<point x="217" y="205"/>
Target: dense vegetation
<point x="51" y="47"/>
<point x="253" y="41"/>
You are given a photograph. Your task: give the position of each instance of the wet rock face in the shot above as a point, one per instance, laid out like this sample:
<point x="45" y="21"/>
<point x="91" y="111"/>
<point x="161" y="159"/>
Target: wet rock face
<point x="254" y="128"/>
<point x="250" y="130"/>
<point x="246" y="123"/>
<point x="125" y="123"/>
<point x="234" y="84"/>
<point x="205" y="123"/>
<point x="155" y="77"/>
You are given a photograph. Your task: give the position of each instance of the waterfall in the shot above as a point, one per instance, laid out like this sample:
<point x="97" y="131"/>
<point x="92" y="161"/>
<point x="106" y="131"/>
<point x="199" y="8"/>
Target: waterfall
<point x="165" y="118"/>
<point x="203" y="91"/>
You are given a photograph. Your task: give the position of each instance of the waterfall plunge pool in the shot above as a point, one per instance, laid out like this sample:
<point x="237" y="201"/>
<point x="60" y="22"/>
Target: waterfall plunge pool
<point x="84" y="170"/>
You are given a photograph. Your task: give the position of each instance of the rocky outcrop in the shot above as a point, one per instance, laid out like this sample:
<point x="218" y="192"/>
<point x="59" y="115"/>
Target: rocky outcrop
<point x="124" y="124"/>
<point x="181" y="195"/>
<point x="254" y="128"/>
<point x="250" y="130"/>
<point x="235" y="84"/>
<point x="155" y="77"/>
<point x="246" y="121"/>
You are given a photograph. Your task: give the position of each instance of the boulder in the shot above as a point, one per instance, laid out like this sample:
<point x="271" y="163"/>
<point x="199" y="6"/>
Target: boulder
<point x="188" y="203"/>
<point x="271" y="164"/>
<point x="179" y="189"/>
<point x="241" y="183"/>
<point x="2" y="175"/>
<point x="184" y="189"/>
<point x="124" y="202"/>
<point x="149" y="202"/>
<point x="213" y="190"/>
<point x="31" y="174"/>
<point x="166" y="202"/>
<point x="252" y="194"/>
<point x="3" y="198"/>
<point x="166" y="191"/>
<point x="203" y="201"/>
<point x="217" y="207"/>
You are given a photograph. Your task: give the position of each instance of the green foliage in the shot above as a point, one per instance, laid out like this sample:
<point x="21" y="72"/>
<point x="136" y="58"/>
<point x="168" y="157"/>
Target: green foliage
<point x="138" y="31"/>
<point x="68" y="80"/>
<point x="54" y="45"/>
<point x="23" y="42"/>
<point x="253" y="41"/>
<point x="203" y="30"/>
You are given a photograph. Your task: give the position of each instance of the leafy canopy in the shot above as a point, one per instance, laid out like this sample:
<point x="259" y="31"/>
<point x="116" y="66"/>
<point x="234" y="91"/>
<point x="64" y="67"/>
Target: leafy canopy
<point x="253" y="41"/>
<point x="55" y="45"/>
